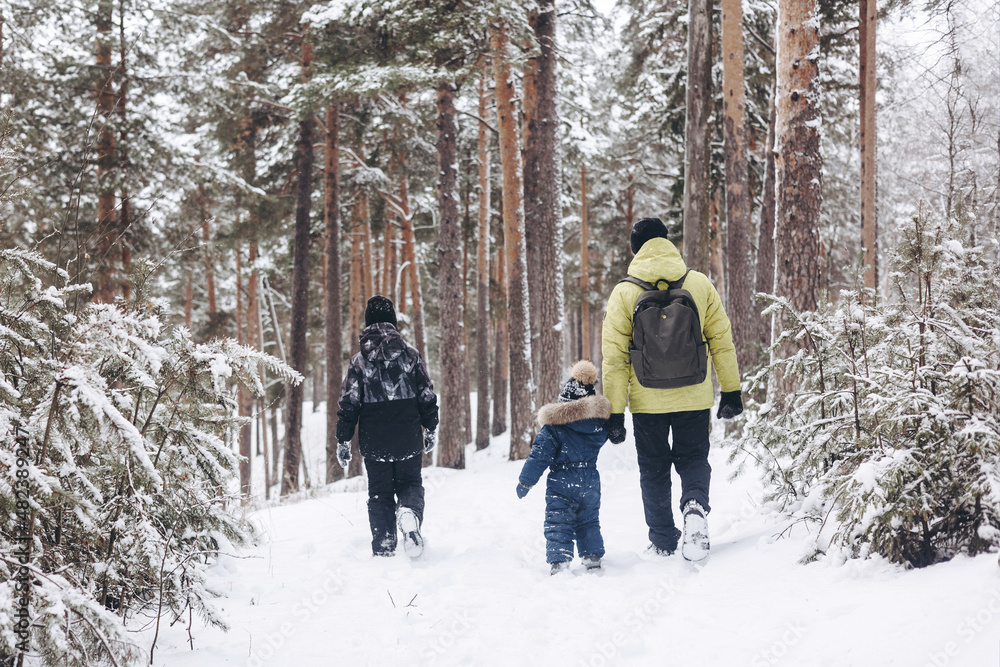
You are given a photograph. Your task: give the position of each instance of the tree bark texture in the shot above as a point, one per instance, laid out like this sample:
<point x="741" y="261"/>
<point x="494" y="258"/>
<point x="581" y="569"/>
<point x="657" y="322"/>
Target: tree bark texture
<point x="483" y="277"/>
<point x="106" y="229"/>
<point x="334" y="345"/>
<point x="410" y="258"/>
<point x="697" y="158"/>
<point x="244" y="398"/>
<point x="869" y="221"/>
<point x="764" y="279"/>
<point x="519" y="332"/>
<point x="125" y="209"/>
<point x="501" y="358"/>
<point x="585" y="345"/>
<point x="543" y="232"/>
<point x="739" y="305"/>
<point x="300" y="308"/>
<point x="798" y="164"/>
<point x="451" y="447"/>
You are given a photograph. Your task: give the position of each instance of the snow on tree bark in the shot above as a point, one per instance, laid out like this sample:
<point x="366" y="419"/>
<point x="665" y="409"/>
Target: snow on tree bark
<point x="697" y="157"/>
<point x="543" y="232"/>
<point x="739" y="294"/>
<point x="483" y="275"/>
<point x="333" y="341"/>
<point x="451" y="447"/>
<point x="300" y="305"/>
<point x="798" y="163"/>
<point x="867" y="138"/>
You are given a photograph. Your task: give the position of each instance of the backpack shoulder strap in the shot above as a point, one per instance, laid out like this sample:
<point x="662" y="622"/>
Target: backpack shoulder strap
<point x="677" y="284"/>
<point x="641" y="283"/>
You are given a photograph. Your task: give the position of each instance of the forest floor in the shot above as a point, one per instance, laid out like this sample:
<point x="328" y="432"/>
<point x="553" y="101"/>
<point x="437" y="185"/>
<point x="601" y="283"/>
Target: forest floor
<point x="310" y="593"/>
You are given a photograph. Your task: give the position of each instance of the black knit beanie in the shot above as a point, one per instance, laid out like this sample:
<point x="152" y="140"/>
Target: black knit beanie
<point x="581" y="384"/>
<point x="645" y="229"/>
<point x="379" y="309"/>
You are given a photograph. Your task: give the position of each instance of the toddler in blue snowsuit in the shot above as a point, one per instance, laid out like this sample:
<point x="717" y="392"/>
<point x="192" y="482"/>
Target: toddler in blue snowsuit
<point x="573" y="430"/>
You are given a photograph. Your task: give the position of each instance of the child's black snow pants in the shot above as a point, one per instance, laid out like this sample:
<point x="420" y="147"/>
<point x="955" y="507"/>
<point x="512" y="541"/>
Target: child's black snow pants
<point x="392" y="484"/>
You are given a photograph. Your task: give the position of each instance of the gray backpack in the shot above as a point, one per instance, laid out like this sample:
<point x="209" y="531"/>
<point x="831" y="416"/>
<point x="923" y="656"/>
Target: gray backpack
<point x="667" y="349"/>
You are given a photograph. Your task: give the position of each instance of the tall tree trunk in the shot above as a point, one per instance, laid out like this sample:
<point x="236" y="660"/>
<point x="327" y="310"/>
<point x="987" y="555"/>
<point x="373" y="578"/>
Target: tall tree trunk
<point x="300" y="306"/>
<point x="188" y="299"/>
<point x="764" y="279"/>
<point x="483" y="277"/>
<point x="869" y="221"/>
<point x="410" y="246"/>
<point x="798" y="164"/>
<point x="585" y="346"/>
<point x="501" y="359"/>
<point x="543" y="233"/>
<point x="519" y="348"/>
<point x="206" y="239"/>
<point x="451" y="447"/>
<point x="244" y="399"/>
<point x="366" y="248"/>
<point x="739" y="304"/>
<point x="334" y="345"/>
<point x="125" y="211"/>
<point x="716" y="246"/>
<point x="698" y="153"/>
<point x="107" y="231"/>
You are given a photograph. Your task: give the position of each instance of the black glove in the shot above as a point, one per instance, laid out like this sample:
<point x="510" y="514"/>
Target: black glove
<point x="430" y="439"/>
<point x="344" y="453"/>
<point x="616" y="428"/>
<point x="730" y="405"/>
<point x="522" y="490"/>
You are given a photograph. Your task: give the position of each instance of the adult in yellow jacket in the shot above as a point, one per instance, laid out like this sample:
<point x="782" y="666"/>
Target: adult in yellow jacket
<point x="682" y="413"/>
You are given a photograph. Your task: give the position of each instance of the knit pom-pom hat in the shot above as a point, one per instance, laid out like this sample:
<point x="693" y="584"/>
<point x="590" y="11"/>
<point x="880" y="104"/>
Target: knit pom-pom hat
<point x="379" y="309"/>
<point x="581" y="384"/>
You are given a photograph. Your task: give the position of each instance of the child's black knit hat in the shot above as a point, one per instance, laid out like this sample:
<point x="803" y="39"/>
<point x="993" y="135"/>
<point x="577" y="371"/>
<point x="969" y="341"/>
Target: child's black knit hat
<point x="379" y="309"/>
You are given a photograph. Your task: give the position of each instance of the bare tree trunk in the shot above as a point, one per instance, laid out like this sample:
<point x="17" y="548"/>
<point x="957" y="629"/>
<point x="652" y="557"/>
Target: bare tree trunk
<point x="334" y="344"/>
<point x="584" y="269"/>
<point x="125" y="211"/>
<point x="698" y="153"/>
<point x="300" y="305"/>
<point x="188" y="299"/>
<point x="483" y="278"/>
<point x="451" y="447"/>
<point x="798" y="164"/>
<point x="716" y="245"/>
<point x="244" y="399"/>
<point x="739" y="304"/>
<point x="501" y="358"/>
<point x="106" y="219"/>
<point x="206" y="239"/>
<point x="521" y="400"/>
<point x="869" y="221"/>
<point x="410" y="247"/>
<point x="543" y="233"/>
<point x="764" y="279"/>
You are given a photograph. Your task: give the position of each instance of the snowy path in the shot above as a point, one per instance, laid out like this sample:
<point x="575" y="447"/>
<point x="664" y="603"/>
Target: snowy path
<point x="311" y="594"/>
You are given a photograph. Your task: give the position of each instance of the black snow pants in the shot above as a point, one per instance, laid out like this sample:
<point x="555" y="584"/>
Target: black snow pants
<point x="687" y="451"/>
<point x="392" y="484"/>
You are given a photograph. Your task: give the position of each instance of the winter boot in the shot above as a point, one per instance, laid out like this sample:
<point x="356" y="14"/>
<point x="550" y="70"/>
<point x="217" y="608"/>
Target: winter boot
<point x="653" y="550"/>
<point x="696" y="545"/>
<point x="559" y="567"/>
<point x="409" y="526"/>
<point x="592" y="563"/>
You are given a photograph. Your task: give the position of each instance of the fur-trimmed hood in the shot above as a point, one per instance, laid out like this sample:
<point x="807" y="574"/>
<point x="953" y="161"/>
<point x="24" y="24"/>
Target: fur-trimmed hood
<point x="591" y="407"/>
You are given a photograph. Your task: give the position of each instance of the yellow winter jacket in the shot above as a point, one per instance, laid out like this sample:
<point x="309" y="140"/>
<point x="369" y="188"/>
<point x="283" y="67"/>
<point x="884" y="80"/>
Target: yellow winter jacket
<point x="659" y="258"/>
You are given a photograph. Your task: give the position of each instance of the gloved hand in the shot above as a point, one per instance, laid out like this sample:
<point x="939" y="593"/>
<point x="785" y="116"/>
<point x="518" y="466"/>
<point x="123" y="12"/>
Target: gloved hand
<point x="730" y="405"/>
<point x="430" y="440"/>
<point x="616" y="428"/>
<point x="522" y="490"/>
<point x="344" y="453"/>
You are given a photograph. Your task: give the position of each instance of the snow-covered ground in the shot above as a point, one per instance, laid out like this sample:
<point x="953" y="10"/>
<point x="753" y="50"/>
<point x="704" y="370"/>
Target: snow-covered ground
<point x="311" y="594"/>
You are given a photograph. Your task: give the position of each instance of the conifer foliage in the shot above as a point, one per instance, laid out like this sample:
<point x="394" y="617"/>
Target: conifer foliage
<point x="892" y="437"/>
<point x="120" y="427"/>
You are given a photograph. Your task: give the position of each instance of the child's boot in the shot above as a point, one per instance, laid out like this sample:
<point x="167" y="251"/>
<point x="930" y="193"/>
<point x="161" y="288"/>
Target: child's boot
<point x="592" y="563"/>
<point x="696" y="545"/>
<point x="559" y="567"/>
<point x="409" y="526"/>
